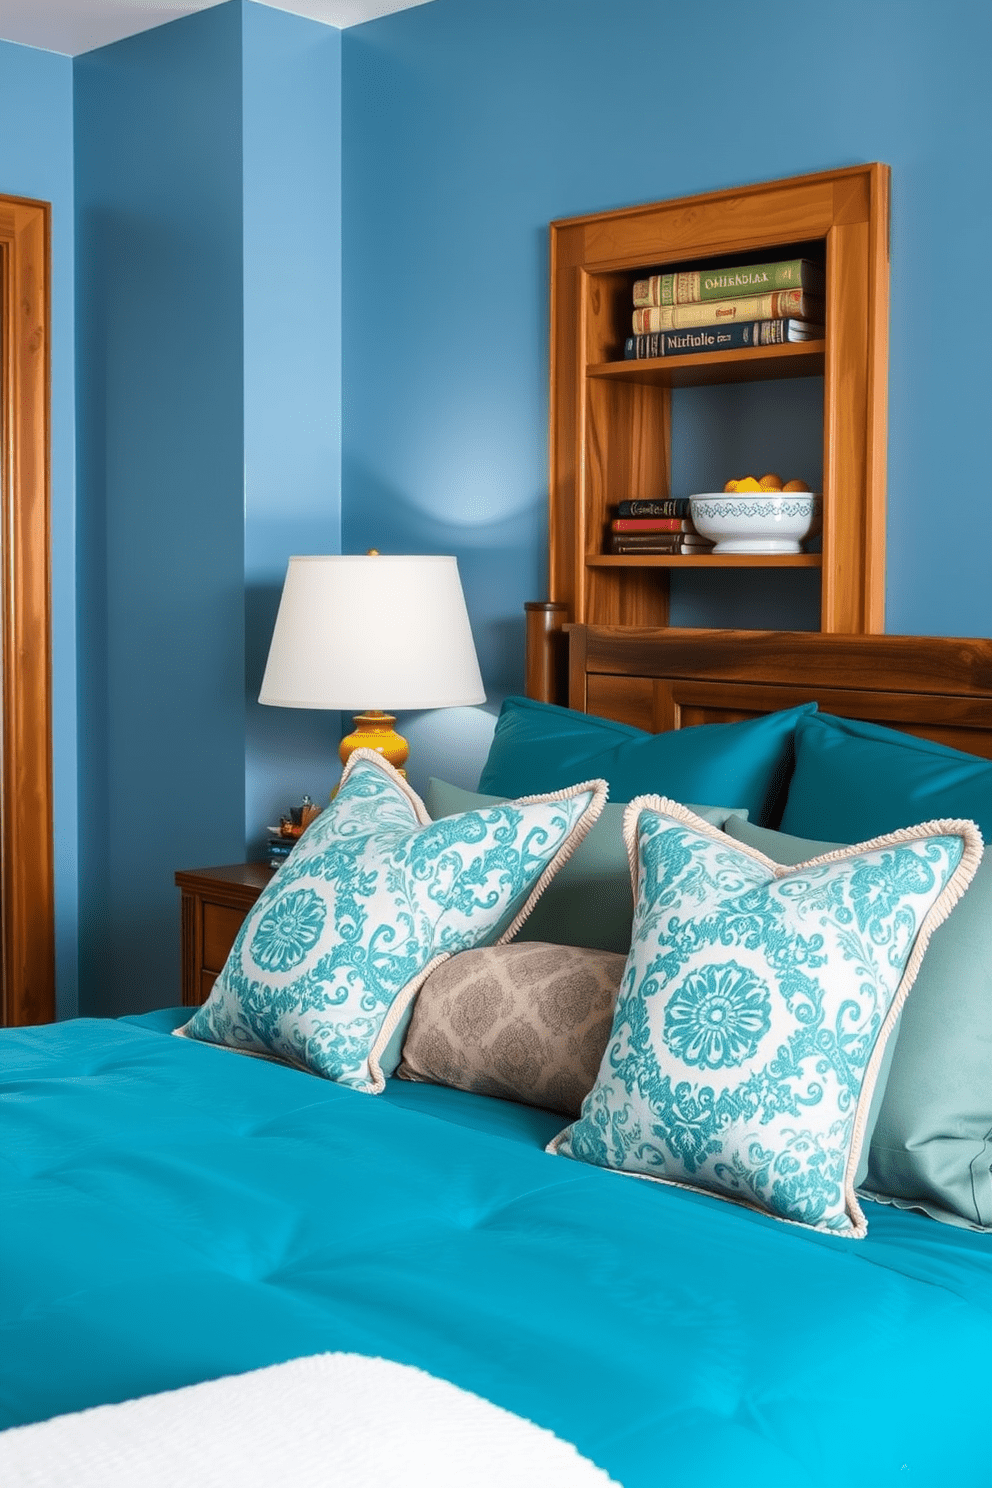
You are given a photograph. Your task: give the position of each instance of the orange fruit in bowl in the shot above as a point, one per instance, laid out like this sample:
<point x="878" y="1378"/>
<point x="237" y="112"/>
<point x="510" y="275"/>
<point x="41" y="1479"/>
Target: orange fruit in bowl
<point x="731" y="486"/>
<point x="748" y="484"/>
<point x="795" y="485"/>
<point x="770" y="482"/>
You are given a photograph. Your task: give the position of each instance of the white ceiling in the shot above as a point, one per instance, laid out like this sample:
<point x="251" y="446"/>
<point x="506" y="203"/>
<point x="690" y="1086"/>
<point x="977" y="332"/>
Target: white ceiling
<point x="74" y="26"/>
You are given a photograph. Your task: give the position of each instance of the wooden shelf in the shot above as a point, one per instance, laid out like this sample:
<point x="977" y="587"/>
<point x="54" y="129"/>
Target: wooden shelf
<point x="705" y="560"/>
<point x="703" y="369"/>
<point x="611" y="420"/>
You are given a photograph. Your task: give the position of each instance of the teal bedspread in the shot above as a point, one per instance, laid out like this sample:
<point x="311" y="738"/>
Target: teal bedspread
<point x="173" y="1212"/>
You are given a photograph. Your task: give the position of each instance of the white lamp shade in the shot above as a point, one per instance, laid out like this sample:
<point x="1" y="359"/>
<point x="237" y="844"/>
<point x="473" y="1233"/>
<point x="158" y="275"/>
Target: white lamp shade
<point x="372" y="632"/>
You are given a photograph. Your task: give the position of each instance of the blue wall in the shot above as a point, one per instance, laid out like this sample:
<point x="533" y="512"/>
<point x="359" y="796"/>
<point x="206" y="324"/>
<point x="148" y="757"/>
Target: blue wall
<point x="292" y="371"/>
<point x="161" y="449"/>
<point x="470" y="124"/>
<point x="36" y="161"/>
<point x="223" y="163"/>
<point x="208" y="291"/>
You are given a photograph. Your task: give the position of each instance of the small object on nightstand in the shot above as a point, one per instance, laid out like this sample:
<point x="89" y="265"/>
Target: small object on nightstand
<point x="283" y="838"/>
<point x="279" y="848"/>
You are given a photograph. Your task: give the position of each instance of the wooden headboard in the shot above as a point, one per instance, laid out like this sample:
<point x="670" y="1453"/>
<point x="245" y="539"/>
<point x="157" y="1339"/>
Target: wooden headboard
<point x="935" y="686"/>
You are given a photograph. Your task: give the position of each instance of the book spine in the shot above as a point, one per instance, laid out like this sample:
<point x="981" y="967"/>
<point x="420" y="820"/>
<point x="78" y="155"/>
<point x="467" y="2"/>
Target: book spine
<point x="620" y="546"/>
<point x="633" y="541"/>
<point x="659" y="506"/>
<point x="725" y="284"/>
<point x="651" y="524"/>
<point x="778" y="305"/>
<point x="719" y="338"/>
<point x="662" y="506"/>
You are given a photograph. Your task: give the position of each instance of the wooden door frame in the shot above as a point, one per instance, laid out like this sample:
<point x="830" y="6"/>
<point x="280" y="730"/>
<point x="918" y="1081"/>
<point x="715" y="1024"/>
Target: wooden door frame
<point x="27" y="906"/>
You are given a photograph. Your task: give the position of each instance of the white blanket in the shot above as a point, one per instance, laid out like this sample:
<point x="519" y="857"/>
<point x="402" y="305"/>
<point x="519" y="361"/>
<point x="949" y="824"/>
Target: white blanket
<point x="329" y="1421"/>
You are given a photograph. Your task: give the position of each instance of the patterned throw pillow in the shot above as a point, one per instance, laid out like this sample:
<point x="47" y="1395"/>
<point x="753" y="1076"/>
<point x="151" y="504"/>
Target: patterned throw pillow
<point x="755" y="1008"/>
<point x="372" y="898"/>
<point x="525" y="1022"/>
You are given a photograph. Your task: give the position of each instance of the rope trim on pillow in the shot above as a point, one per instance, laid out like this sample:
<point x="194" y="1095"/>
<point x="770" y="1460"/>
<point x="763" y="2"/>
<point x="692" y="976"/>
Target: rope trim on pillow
<point x="394" y="1016"/>
<point x="599" y="790"/>
<point x="375" y="758"/>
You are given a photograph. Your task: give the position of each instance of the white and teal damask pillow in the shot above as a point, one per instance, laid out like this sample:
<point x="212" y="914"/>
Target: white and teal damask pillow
<point x="755" y="1007"/>
<point x="372" y="898"/>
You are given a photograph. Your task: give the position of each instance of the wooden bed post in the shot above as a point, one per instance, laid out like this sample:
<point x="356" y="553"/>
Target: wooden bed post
<point x="546" y="665"/>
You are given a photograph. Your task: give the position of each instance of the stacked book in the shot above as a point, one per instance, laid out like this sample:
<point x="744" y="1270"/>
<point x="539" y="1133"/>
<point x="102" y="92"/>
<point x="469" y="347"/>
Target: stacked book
<point x="662" y="526"/>
<point x="279" y="847"/>
<point x="726" y="309"/>
<point x="284" y="837"/>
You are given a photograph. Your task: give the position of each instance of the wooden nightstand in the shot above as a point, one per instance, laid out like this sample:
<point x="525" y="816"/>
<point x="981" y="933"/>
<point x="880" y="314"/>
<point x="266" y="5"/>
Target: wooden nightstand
<point x="215" y="902"/>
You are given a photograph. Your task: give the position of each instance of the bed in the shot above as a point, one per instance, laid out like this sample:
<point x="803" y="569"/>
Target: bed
<point x="176" y="1214"/>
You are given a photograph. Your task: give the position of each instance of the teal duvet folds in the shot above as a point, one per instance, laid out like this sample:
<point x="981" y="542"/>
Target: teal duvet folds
<point x="172" y="1212"/>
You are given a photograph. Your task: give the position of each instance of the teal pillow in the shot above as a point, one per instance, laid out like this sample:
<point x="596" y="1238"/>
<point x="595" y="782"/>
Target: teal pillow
<point x="539" y="747"/>
<point x="756" y="1002"/>
<point x="931" y="1135"/>
<point x="588" y="902"/>
<point x="856" y="780"/>
<point x="372" y="898"/>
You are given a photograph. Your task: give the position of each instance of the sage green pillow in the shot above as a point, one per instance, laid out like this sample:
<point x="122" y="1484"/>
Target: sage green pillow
<point x="589" y="902"/>
<point x="931" y="1143"/>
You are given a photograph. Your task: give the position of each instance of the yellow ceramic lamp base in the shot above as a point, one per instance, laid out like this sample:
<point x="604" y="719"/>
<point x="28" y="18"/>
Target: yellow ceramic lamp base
<point x="374" y="730"/>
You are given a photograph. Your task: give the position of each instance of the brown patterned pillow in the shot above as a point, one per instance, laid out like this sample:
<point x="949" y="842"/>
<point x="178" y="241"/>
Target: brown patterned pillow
<point x="526" y="1022"/>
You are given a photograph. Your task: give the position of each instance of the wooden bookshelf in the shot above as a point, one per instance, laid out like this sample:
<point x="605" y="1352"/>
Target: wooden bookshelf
<point x="611" y="420"/>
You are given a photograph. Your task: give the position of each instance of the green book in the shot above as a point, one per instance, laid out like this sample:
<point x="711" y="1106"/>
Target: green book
<point x="694" y="285"/>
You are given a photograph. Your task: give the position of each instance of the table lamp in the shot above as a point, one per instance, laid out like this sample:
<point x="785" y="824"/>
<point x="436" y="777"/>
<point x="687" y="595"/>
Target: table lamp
<point x="390" y="631"/>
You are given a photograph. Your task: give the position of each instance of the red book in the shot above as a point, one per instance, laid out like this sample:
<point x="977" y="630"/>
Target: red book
<point x="651" y="524"/>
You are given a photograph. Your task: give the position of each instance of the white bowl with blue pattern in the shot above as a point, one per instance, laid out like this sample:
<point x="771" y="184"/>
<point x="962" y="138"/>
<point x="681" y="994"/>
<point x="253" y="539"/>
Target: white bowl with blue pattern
<point x="758" y="521"/>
